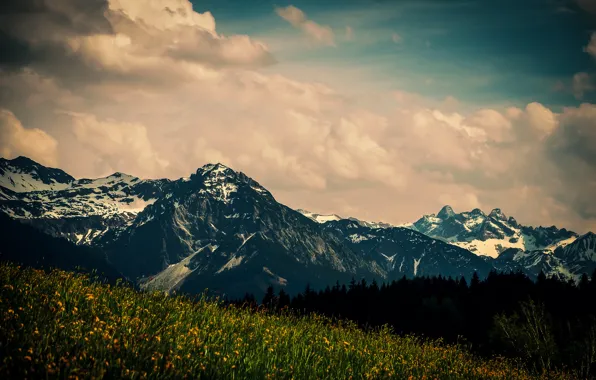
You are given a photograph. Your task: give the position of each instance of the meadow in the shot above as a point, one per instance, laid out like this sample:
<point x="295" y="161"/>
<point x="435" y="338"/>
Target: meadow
<point x="61" y="324"/>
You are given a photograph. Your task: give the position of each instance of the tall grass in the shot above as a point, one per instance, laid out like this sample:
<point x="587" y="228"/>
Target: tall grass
<point x="62" y="324"/>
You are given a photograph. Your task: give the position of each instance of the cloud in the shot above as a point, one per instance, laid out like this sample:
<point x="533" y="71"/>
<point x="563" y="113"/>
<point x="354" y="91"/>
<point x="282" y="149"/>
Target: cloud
<point x="16" y="140"/>
<point x="349" y="33"/>
<point x="320" y="34"/>
<point x="119" y="36"/>
<point x="581" y="84"/>
<point x="118" y="145"/>
<point x="587" y="5"/>
<point x="152" y="89"/>
<point x="572" y="150"/>
<point x="591" y="47"/>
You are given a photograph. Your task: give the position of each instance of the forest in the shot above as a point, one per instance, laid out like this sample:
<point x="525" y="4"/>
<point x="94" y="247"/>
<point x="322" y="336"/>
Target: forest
<point x="549" y="323"/>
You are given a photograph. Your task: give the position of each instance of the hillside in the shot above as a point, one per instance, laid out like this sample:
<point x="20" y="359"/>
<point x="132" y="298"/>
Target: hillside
<point x="61" y="324"/>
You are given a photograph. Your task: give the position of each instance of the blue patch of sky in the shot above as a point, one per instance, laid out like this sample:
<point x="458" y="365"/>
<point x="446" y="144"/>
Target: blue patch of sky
<point x="480" y="51"/>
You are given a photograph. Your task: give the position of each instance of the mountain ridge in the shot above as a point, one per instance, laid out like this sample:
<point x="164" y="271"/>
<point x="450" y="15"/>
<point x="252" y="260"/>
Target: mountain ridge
<point x="220" y="229"/>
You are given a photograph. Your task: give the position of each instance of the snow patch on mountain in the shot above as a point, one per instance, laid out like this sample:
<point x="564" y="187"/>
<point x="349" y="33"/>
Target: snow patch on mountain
<point x="490" y="247"/>
<point x="24" y="182"/>
<point x="279" y="280"/>
<point x="23" y="175"/>
<point x="109" y="181"/>
<point x="319" y="218"/>
<point x="172" y="277"/>
<point x="233" y="262"/>
<point x="562" y="243"/>
<point x="416" y="264"/>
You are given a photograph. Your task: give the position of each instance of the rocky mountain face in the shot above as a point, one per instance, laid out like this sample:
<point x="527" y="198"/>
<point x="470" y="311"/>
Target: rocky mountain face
<point x="78" y="210"/>
<point x="490" y="234"/>
<point x="23" y="174"/>
<point x="580" y="255"/>
<point x="220" y="229"/>
<point x="27" y="245"/>
<point x="513" y="246"/>
<point x="399" y="251"/>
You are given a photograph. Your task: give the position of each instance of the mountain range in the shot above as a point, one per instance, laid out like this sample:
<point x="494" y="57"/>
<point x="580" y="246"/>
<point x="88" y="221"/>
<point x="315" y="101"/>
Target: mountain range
<point x="220" y="229"/>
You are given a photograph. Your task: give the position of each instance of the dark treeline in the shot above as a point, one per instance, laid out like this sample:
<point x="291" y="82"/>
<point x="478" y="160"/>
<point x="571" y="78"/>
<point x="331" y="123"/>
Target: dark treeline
<point x="549" y="322"/>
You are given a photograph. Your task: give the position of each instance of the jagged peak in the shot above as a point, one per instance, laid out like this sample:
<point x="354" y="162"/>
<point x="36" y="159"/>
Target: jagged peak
<point x="477" y="211"/>
<point x="220" y="172"/>
<point x="321" y="218"/>
<point x="21" y="160"/>
<point x="497" y="214"/>
<point x="121" y="175"/>
<point x="446" y="212"/>
<point x="218" y="166"/>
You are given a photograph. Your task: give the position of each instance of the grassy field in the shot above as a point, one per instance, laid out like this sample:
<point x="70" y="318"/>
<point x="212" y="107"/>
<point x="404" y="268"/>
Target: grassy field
<point x="62" y="324"/>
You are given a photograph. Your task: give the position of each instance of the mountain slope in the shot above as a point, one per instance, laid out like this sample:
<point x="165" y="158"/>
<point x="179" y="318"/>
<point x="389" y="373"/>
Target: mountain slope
<point x="26" y="245"/>
<point x="221" y="226"/>
<point x="490" y="234"/>
<point x="220" y="229"/>
<point x="78" y="210"/>
<point x="401" y="251"/>
<point x="580" y="255"/>
<point x="23" y="174"/>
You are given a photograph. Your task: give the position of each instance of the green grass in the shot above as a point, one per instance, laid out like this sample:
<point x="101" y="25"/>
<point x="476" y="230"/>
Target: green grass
<point x="62" y="324"/>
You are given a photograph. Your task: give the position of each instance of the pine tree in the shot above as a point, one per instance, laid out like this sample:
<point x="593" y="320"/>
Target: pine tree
<point x="283" y="299"/>
<point x="475" y="281"/>
<point x="269" y="299"/>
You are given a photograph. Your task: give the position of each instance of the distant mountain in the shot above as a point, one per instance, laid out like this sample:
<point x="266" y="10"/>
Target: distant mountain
<point x="318" y="217"/>
<point x="399" y="251"/>
<point x="23" y="174"/>
<point x="490" y="234"/>
<point x="78" y="210"/>
<point x="580" y="255"/>
<point x="321" y="218"/>
<point x="222" y="230"/>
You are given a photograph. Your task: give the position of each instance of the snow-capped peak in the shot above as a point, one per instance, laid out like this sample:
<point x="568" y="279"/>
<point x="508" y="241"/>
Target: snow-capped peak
<point x="109" y="181"/>
<point x="319" y="218"/>
<point x="498" y="214"/>
<point x="477" y="211"/>
<point x="446" y="212"/>
<point x="24" y="175"/>
<point x="216" y="169"/>
<point x="324" y="218"/>
<point x="223" y="182"/>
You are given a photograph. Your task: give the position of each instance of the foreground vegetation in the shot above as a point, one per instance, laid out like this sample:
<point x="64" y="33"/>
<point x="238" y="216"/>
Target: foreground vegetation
<point x="62" y="324"/>
<point x="550" y="323"/>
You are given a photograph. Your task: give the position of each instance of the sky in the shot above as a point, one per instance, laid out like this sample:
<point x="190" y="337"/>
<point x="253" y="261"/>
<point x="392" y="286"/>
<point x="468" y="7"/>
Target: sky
<point x="383" y="110"/>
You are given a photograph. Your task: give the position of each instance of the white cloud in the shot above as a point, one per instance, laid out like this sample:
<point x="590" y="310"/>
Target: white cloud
<point x="591" y="47"/>
<point x="16" y="140"/>
<point x="163" y="96"/>
<point x="320" y="34"/>
<point x="349" y="33"/>
<point x="121" y="145"/>
<point x="582" y="83"/>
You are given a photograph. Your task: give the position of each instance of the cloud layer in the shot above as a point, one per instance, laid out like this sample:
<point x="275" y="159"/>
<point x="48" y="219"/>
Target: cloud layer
<point x="320" y="34"/>
<point x="153" y="89"/>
